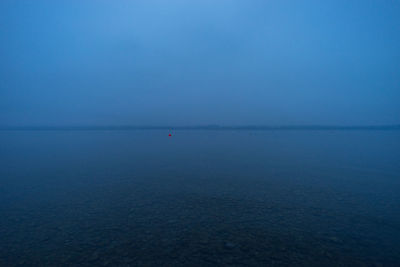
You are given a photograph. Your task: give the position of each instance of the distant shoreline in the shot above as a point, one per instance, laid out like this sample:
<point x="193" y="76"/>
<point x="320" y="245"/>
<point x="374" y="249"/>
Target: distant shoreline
<point x="200" y="127"/>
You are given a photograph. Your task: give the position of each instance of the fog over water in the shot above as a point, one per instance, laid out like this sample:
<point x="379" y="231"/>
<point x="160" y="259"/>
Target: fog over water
<point x="199" y="133"/>
<point x="199" y="62"/>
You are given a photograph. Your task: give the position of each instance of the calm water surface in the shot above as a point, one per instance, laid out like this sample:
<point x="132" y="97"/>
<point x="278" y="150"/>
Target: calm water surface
<point x="199" y="198"/>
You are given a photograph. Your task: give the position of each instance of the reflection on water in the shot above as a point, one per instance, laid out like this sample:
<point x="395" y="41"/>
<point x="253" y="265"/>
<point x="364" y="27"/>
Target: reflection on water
<point x="141" y="198"/>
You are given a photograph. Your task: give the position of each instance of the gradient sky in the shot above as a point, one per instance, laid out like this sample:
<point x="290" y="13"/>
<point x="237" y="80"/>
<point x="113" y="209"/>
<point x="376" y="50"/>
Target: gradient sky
<point x="199" y="62"/>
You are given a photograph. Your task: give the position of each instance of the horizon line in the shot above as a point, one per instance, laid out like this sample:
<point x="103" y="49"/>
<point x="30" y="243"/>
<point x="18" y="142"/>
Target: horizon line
<point x="197" y="127"/>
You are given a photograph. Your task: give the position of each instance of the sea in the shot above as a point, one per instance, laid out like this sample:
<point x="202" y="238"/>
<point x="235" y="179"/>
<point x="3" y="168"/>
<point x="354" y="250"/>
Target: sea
<point x="200" y="197"/>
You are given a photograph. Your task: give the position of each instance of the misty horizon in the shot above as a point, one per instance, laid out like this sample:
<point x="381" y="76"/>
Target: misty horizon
<point x="199" y="133"/>
<point x="202" y="127"/>
<point x="199" y="62"/>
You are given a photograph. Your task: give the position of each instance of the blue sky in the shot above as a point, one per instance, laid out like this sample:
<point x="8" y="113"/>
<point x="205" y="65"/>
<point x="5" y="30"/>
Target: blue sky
<point x="199" y="62"/>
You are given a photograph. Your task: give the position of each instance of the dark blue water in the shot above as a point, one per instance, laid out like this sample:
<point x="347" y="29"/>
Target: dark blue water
<point x="199" y="198"/>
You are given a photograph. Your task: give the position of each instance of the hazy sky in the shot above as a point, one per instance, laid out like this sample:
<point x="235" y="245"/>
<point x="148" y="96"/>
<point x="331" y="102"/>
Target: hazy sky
<point x="199" y="62"/>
